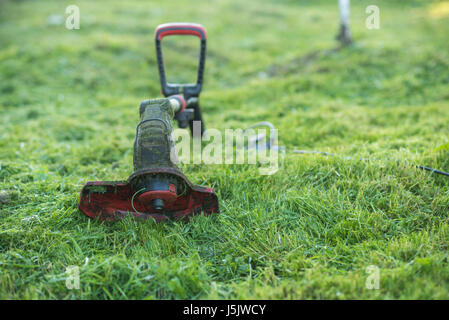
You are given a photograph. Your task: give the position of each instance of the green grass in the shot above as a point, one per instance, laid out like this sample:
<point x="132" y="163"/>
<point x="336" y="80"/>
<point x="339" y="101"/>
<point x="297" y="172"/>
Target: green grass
<point x="68" y="110"/>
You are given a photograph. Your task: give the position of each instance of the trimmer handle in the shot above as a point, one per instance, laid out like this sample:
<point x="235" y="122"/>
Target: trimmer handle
<point x="190" y="92"/>
<point x="177" y="28"/>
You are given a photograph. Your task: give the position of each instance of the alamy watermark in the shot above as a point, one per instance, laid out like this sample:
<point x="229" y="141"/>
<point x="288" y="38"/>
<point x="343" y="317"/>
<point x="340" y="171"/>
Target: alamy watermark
<point x="373" y="280"/>
<point x="73" y="20"/>
<point x="373" y="20"/>
<point x="234" y="146"/>
<point x="73" y="277"/>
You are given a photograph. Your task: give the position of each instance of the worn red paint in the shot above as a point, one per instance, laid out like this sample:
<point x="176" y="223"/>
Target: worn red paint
<point x="111" y="200"/>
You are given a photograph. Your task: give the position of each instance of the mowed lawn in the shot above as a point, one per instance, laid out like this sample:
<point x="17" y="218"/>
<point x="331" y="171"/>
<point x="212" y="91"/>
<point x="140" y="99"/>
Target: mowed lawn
<point x="316" y="229"/>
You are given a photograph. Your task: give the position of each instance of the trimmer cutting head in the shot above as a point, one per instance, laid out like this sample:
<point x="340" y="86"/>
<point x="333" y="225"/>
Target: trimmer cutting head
<point x="154" y="193"/>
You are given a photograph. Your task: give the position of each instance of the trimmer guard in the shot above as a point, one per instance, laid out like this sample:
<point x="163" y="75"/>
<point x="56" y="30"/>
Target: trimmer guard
<point x="113" y="200"/>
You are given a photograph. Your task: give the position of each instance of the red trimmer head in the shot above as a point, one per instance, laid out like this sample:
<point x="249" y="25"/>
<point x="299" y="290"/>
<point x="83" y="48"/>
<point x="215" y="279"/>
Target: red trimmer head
<point x="112" y="200"/>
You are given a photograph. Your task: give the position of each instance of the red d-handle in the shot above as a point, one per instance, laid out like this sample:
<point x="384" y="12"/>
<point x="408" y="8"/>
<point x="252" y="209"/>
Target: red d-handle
<point x="179" y="28"/>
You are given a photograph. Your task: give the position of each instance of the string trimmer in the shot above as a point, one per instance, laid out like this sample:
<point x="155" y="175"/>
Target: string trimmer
<point x="157" y="188"/>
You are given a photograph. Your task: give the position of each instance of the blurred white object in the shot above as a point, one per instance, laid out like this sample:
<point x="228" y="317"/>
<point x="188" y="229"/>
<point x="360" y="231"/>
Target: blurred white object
<point x="344" y="36"/>
<point x="55" y="20"/>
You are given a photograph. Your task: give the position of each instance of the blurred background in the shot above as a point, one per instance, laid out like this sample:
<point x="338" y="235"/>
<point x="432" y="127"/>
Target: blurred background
<point x="265" y="60"/>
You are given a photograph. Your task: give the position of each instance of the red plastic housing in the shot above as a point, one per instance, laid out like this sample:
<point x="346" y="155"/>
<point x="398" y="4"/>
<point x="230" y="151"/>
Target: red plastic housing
<point x="113" y="200"/>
